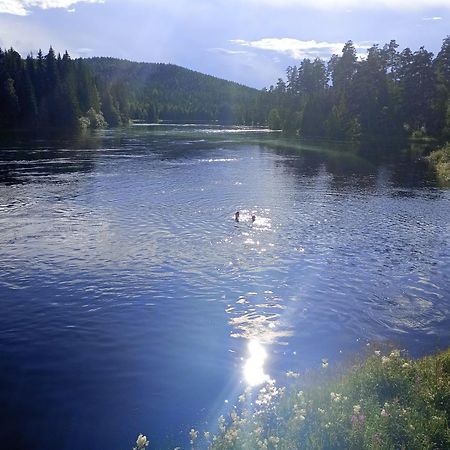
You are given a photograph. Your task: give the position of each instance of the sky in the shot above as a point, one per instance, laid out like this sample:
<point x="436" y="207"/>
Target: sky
<point x="251" y="42"/>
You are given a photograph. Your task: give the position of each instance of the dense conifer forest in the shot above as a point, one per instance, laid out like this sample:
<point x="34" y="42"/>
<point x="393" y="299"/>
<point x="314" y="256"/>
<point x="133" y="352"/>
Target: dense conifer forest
<point x="54" y="91"/>
<point x="387" y="93"/>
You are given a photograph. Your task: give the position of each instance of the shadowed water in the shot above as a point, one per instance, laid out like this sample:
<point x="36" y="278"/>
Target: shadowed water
<point x="128" y="293"/>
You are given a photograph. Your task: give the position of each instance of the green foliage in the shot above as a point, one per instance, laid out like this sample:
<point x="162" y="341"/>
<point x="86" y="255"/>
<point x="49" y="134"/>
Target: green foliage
<point x="384" y="402"/>
<point x="274" y="120"/>
<point x="57" y="92"/>
<point x="440" y="160"/>
<point x="47" y="92"/>
<point x="153" y="92"/>
<point x="389" y="93"/>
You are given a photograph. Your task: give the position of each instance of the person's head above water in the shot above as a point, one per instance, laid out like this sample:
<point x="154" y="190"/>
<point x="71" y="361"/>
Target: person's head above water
<point x="236" y="216"/>
<point x="253" y="217"/>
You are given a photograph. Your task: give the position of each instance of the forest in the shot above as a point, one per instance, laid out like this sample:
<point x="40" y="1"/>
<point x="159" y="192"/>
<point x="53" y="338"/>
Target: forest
<point x="385" y="93"/>
<point x="56" y="92"/>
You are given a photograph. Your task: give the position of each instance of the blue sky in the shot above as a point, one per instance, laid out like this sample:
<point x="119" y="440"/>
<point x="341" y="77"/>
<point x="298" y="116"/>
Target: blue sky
<point x="248" y="41"/>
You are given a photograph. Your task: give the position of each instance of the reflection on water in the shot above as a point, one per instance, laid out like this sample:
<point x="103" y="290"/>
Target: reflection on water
<point x="133" y="302"/>
<point x="254" y="372"/>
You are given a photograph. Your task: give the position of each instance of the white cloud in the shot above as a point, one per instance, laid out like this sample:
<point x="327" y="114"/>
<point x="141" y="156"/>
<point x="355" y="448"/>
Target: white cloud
<point x="357" y="4"/>
<point x="298" y="49"/>
<point x="226" y="51"/>
<point x="432" y="18"/>
<point x="23" y="7"/>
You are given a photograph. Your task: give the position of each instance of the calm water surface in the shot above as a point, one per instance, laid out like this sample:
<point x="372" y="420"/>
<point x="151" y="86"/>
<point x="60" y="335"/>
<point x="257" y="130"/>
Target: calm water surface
<point x="129" y="294"/>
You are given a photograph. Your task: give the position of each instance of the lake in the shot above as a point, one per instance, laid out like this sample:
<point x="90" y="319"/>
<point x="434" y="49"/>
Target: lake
<point x="132" y="301"/>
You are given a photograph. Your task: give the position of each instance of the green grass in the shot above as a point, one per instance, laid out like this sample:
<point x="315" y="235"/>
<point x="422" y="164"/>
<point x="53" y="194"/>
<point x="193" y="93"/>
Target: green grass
<point x="440" y="160"/>
<point x="384" y="402"/>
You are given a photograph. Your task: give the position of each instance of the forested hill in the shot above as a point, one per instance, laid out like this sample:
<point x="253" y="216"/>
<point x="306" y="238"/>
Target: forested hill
<point x="151" y="91"/>
<point x="54" y="91"/>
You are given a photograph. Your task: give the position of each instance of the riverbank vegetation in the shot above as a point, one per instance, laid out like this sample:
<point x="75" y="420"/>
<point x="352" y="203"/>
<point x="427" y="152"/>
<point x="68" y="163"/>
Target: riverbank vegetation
<point x="385" y="93"/>
<point x="387" y="401"/>
<point x="440" y="160"/>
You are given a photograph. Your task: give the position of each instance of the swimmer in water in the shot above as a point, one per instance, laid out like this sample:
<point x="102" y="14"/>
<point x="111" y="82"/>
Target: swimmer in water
<point x="253" y="218"/>
<point x="236" y="216"/>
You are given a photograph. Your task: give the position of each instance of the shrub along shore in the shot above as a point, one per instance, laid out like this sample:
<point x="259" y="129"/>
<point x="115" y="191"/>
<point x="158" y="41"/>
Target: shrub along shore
<point x="440" y="160"/>
<point x="385" y="401"/>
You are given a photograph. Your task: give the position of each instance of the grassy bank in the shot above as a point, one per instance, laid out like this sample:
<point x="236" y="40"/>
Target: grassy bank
<point x="385" y="402"/>
<point x="440" y="159"/>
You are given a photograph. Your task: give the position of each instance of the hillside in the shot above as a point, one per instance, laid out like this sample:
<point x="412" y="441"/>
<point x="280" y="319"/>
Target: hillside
<point x="56" y="92"/>
<point x="151" y="91"/>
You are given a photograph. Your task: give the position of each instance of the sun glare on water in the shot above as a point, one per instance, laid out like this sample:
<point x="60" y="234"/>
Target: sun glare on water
<point x="254" y="365"/>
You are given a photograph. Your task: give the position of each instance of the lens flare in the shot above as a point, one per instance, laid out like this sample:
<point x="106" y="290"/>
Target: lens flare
<point x="254" y="366"/>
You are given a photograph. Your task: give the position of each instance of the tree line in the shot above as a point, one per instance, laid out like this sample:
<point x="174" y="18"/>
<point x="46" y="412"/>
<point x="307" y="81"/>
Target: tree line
<point x="387" y="93"/>
<point x="54" y="91"/>
<point x="46" y="92"/>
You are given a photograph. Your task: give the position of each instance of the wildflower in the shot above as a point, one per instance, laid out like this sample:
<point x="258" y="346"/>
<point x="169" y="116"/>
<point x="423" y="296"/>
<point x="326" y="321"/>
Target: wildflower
<point x="231" y="435"/>
<point x="222" y="424"/>
<point x="242" y="398"/>
<point x="384" y="413"/>
<point x="358" y="419"/>
<point x="274" y="440"/>
<point x="324" y="363"/>
<point x="357" y="409"/>
<point x="291" y="374"/>
<point x="321" y="410"/>
<point x="385" y="359"/>
<point x="234" y="415"/>
<point x="395" y="354"/>
<point x="193" y="434"/>
<point x="258" y="430"/>
<point x="263" y="445"/>
<point x="335" y="397"/>
<point x="377" y="352"/>
<point x="300" y="394"/>
<point x="405" y="365"/>
<point x="142" y="441"/>
<point x="206" y="434"/>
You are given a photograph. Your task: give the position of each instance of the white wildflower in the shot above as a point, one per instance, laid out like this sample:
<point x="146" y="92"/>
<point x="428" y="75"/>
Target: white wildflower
<point x="242" y="398"/>
<point x="377" y="352"/>
<point x="274" y="440"/>
<point x="142" y="441"/>
<point x="193" y="434"/>
<point x="258" y="430"/>
<point x="385" y="359"/>
<point x="324" y="363"/>
<point x="356" y="409"/>
<point x="291" y="374"/>
<point x="222" y="424"/>
<point x="335" y="397"/>
<point x="405" y="365"/>
<point x="207" y="435"/>
<point x="395" y="354"/>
